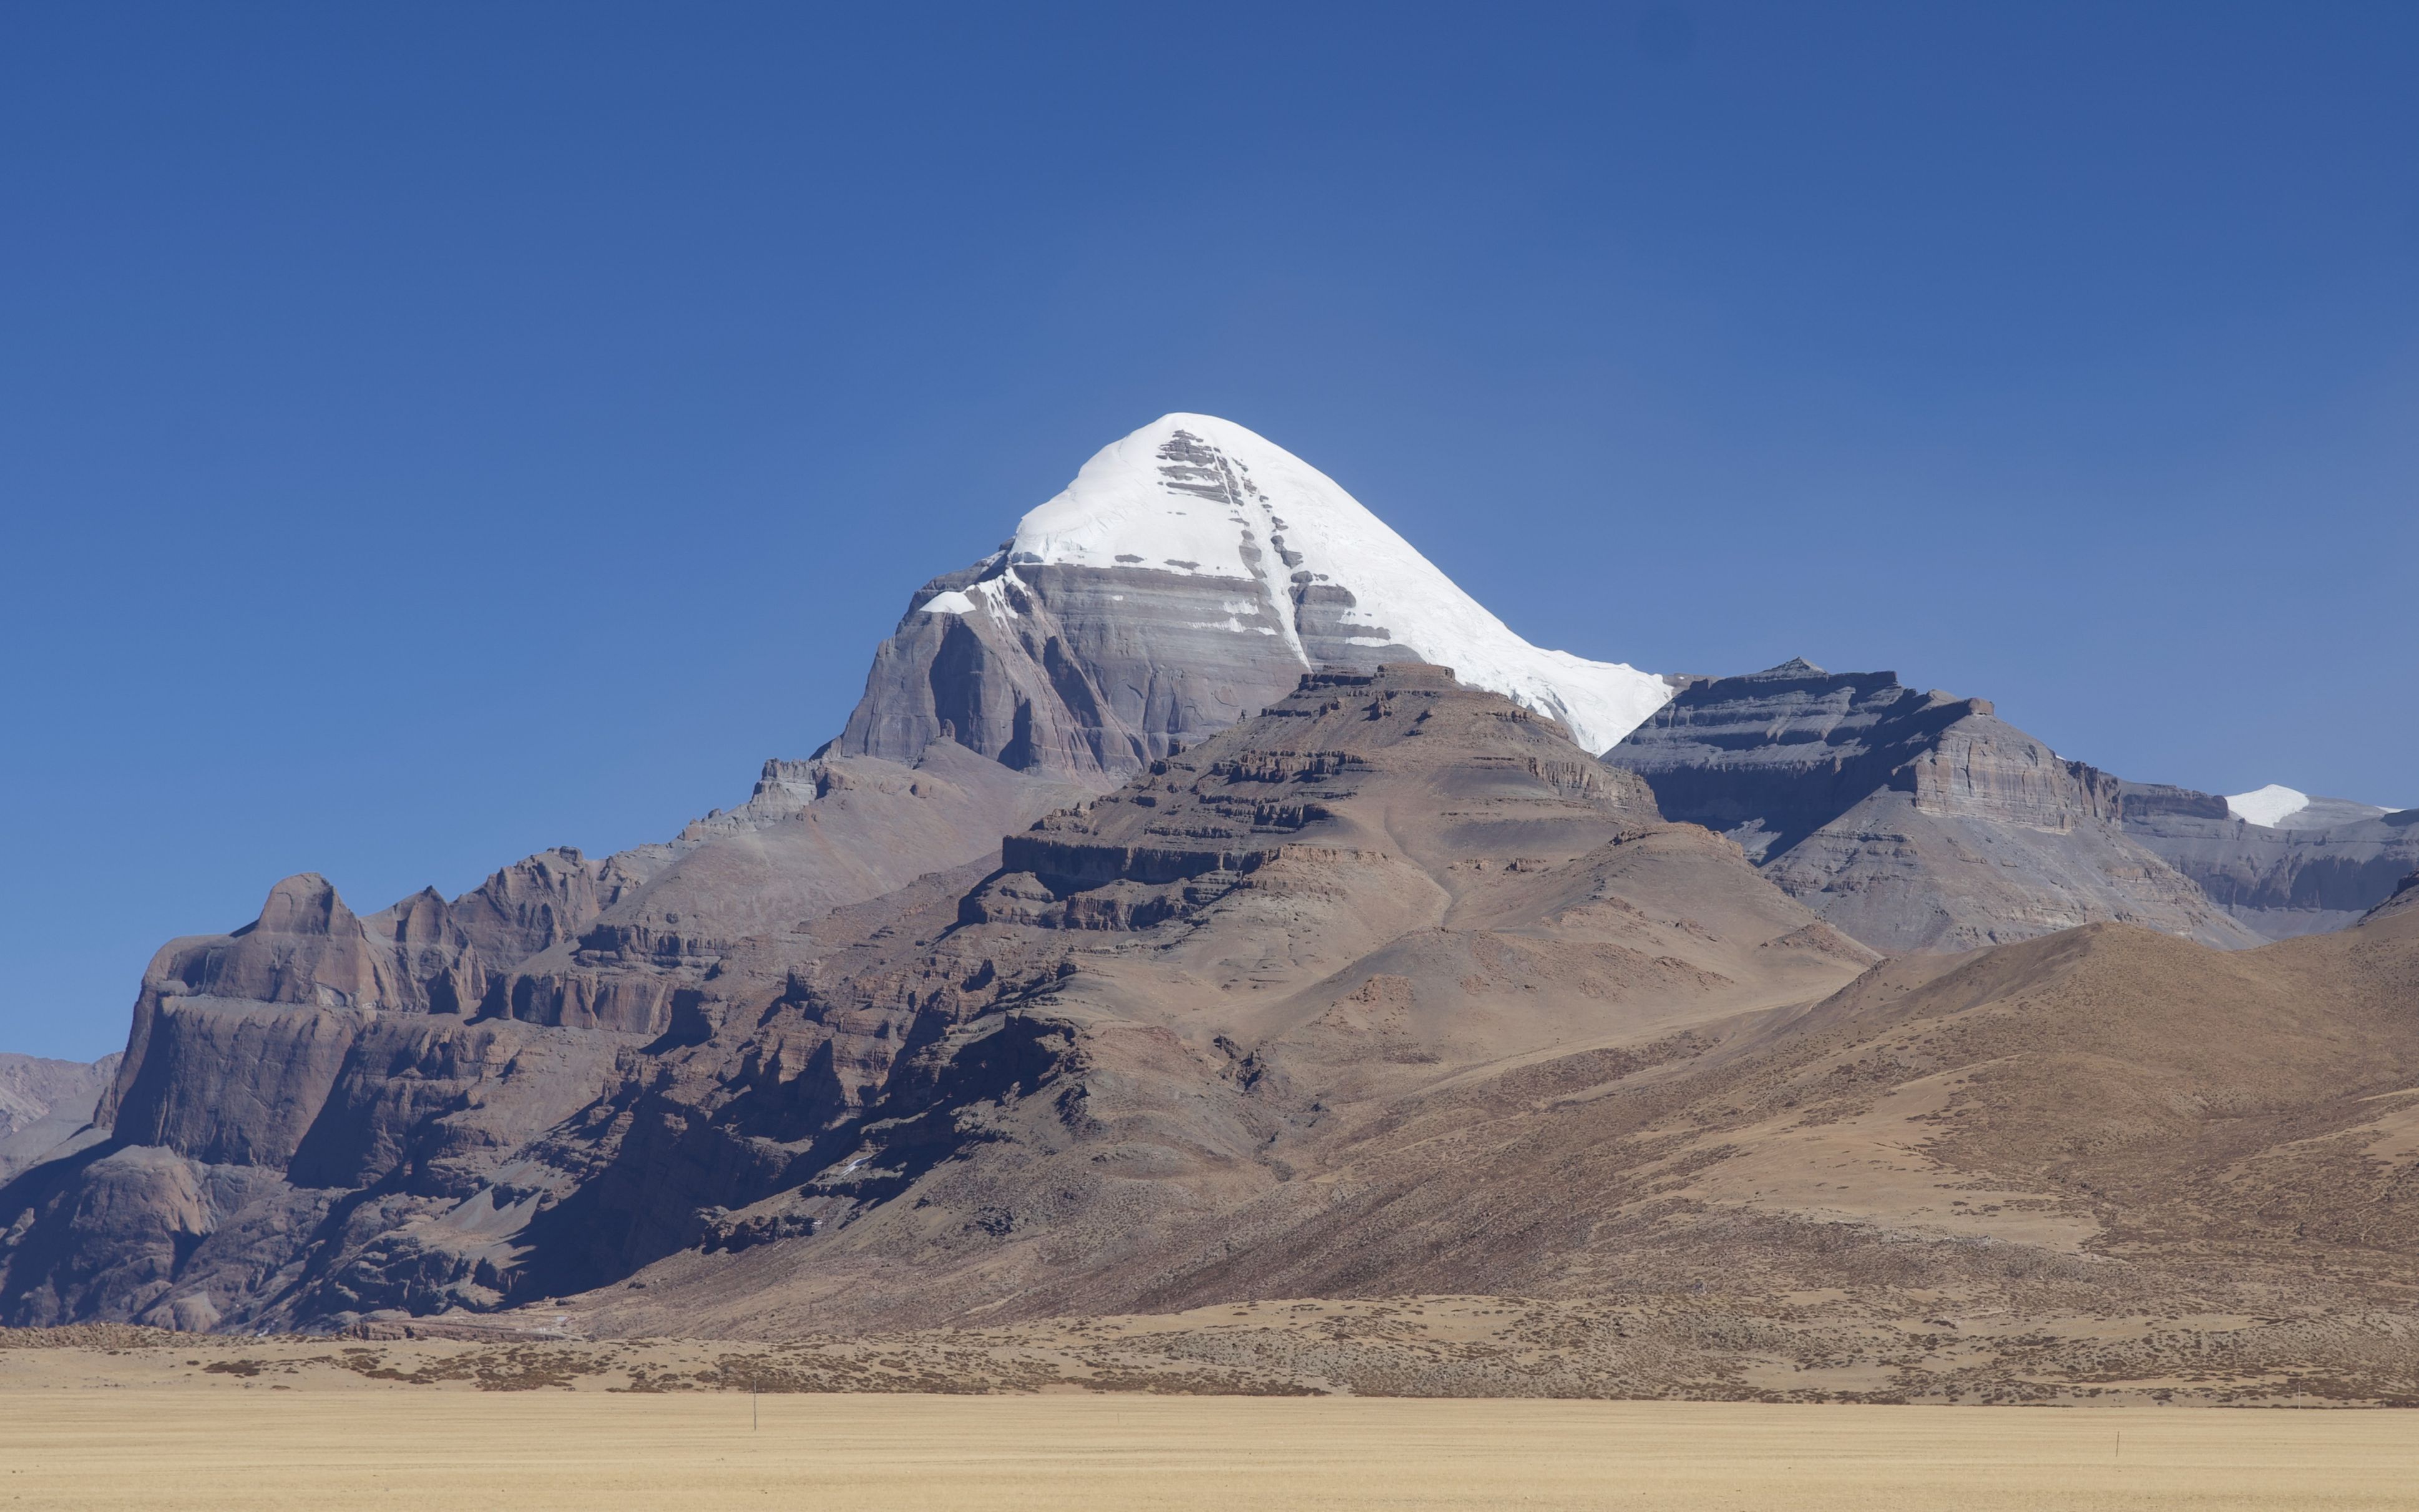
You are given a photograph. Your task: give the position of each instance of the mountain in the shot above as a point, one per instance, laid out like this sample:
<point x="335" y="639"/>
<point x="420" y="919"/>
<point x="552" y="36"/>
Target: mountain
<point x="2281" y="863"/>
<point x="1168" y="931"/>
<point x="31" y="1086"/>
<point x="1055" y="1083"/>
<point x="1383" y="881"/>
<point x="315" y="1109"/>
<point x="1187" y="578"/>
<point x="1912" y="821"/>
<point x="43" y="1103"/>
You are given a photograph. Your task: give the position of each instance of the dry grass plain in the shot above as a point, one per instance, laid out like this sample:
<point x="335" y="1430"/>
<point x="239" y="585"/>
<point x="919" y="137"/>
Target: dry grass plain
<point x="1137" y="1412"/>
<point x="227" y="1445"/>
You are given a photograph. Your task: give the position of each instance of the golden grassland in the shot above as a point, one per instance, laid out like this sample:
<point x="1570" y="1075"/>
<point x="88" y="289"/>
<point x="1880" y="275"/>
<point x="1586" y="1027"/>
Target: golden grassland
<point x="94" y="1431"/>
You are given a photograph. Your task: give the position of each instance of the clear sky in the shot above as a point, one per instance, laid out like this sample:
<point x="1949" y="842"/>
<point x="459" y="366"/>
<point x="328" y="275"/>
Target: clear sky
<point x="432" y="432"/>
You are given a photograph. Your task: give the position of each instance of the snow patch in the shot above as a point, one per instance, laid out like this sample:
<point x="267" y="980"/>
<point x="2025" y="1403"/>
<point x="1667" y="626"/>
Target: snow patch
<point x="991" y="593"/>
<point x="2269" y="806"/>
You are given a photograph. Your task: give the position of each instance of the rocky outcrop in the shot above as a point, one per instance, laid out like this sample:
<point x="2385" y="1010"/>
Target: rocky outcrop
<point x="288" y="1083"/>
<point x="2319" y="868"/>
<point x="1913" y="821"/>
<point x="1186" y="578"/>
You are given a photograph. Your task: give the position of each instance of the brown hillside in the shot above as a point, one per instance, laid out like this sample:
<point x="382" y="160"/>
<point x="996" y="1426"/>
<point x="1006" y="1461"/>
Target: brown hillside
<point x="2108" y="1121"/>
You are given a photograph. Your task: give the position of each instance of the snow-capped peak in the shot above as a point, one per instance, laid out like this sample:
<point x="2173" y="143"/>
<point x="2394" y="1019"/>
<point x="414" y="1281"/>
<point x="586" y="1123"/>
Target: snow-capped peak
<point x="1200" y="496"/>
<point x="2269" y="806"/>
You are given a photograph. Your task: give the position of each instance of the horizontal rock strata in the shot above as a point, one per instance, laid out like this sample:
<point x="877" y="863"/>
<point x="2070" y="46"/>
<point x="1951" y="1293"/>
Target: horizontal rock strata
<point x="1913" y="821"/>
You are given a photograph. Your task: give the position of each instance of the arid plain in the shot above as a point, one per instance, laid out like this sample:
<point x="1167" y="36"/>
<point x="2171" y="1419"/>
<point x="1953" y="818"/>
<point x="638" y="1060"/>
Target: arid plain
<point x="221" y="1445"/>
<point x="1109" y="1414"/>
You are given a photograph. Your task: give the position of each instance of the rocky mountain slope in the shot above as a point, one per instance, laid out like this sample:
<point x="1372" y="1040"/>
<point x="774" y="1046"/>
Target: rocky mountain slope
<point x="32" y="1087"/>
<point x="1190" y="573"/>
<point x="1382" y="881"/>
<point x="1913" y="821"/>
<point x="2317" y="865"/>
<point x="297" y="1092"/>
<point x="2096" y="1123"/>
<point x="43" y="1103"/>
<point x="1058" y="1085"/>
<point x="2105" y="1123"/>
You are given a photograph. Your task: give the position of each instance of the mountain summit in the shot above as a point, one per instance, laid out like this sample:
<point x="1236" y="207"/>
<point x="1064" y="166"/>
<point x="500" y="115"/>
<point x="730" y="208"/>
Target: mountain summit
<point x="1188" y="577"/>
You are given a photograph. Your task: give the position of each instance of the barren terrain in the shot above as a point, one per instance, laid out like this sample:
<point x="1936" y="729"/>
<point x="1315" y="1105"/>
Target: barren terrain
<point x="1710" y="1348"/>
<point x="290" y="1424"/>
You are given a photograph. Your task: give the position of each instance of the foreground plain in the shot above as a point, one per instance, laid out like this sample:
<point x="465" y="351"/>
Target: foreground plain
<point x="233" y="1445"/>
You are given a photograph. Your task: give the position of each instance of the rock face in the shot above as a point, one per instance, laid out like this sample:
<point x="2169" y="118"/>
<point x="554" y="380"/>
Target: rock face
<point x="815" y="835"/>
<point x="1188" y="577"/>
<point x="43" y="1103"/>
<point x="1913" y="821"/>
<point x="300" y="1098"/>
<point x="2320" y="867"/>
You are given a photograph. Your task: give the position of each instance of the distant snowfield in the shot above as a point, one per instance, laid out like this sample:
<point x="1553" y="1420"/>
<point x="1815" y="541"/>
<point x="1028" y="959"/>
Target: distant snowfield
<point x="2269" y="805"/>
<point x="2275" y="803"/>
<point x="1275" y="517"/>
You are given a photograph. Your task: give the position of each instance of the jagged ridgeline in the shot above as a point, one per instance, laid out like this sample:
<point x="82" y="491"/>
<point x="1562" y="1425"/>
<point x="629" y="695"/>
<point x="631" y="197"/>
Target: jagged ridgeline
<point x="1208" y="899"/>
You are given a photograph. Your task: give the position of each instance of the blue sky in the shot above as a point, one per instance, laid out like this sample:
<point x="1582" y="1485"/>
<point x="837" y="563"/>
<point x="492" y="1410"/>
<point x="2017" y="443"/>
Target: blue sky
<point x="430" y="433"/>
